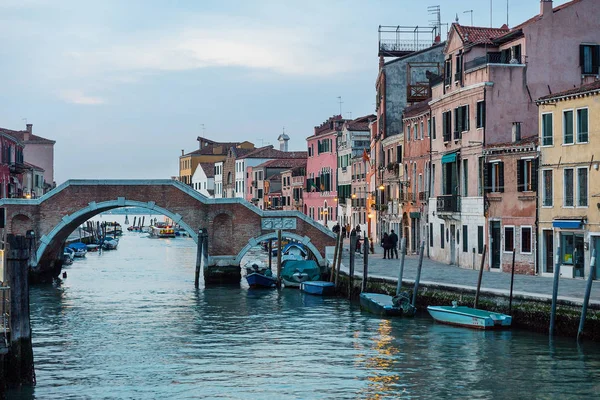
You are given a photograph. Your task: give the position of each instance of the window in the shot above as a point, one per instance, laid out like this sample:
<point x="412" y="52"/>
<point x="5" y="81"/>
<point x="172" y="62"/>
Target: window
<point x="589" y="58"/>
<point x="422" y="130"/>
<point x="547" y="190"/>
<point x="547" y="139"/>
<point x="447" y="125"/>
<point x="526" y="175"/>
<point x="526" y="239"/>
<point x="442" y="236"/>
<point x="458" y="74"/>
<point x="568" y="127"/>
<point x="480" y="240"/>
<point x="480" y="177"/>
<point x="429" y="127"/>
<point x="481" y="114"/>
<point x="516" y="130"/>
<point x="448" y="71"/>
<point x="509" y="238"/>
<point x="568" y="187"/>
<point x="416" y="131"/>
<point x="465" y="191"/>
<point x="433" y="127"/>
<point x="461" y="121"/>
<point x="582" y="125"/>
<point x="495" y="177"/>
<point x="465" y="239"/>
<point x="399" y="154"/>
<point x="582" y="187"/>
<point x="430" y="234"/>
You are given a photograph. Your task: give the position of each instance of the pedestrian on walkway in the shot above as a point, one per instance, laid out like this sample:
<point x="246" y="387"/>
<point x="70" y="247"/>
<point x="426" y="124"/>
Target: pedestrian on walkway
<point x="343" y="231"/>
<point x="394" y="241"/>
<point x="358" y="246"/>
<point x="348" y="229"/>
<point x="386" y="243"/>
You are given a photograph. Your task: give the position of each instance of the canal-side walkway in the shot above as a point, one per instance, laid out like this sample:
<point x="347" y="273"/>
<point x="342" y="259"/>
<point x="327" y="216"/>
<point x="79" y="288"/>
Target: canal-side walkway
<point x="436" y="274"/>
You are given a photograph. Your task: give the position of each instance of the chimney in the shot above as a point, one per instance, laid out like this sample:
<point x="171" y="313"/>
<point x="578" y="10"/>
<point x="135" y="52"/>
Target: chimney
<point x="181" y="151"/>
<point x="545" y="8"/>
<point x="29" y="128"/>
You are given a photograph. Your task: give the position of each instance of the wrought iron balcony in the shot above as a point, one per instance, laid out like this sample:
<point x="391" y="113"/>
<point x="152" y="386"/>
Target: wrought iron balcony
<point x="448" y="203"/>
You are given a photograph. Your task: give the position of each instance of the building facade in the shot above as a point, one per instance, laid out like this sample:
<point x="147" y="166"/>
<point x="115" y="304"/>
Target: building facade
<point x="203" y="179"/>
<point x="569" y="203"/>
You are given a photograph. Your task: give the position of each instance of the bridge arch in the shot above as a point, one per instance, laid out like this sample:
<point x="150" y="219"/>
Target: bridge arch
<point x="305" y="240"/>
<point x="94" y="209"/>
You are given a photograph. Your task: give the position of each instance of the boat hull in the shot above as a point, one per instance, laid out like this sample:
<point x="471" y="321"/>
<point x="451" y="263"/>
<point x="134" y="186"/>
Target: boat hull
<point x="319" y="288"/>
<point x="295" y="272"/>
<point x="469" y="317"/>
<point x="380" y="304"/>
<point x="259" y="280"/>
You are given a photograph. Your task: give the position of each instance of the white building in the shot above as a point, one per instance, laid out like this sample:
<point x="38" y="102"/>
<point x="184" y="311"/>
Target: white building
<point x="218" y="179"/>
<point x="203" y="179"/>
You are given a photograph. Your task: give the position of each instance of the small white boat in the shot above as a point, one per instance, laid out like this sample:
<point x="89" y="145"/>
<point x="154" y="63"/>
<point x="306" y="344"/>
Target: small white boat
<point x="469" y="317"/>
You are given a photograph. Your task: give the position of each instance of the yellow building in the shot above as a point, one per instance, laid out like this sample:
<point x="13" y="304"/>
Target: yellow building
<point x="208" y="152"/>
<point x="569" y="176"/>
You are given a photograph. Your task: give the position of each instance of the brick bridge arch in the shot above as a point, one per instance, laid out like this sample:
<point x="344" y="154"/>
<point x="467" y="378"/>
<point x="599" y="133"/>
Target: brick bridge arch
<point x="232" y="224"/>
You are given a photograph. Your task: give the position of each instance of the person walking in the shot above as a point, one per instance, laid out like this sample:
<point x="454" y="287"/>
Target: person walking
<point x="358" y="246"/>
<point x="394" y="241"/>
<point x="385" y="242"/>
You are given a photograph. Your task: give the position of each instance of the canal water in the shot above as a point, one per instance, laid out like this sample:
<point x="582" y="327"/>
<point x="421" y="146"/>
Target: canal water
<point x="129" y="324"/>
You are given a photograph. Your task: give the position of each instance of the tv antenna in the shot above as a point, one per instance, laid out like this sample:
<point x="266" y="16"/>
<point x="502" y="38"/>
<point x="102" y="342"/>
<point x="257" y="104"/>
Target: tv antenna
<point x="470" y="12"/>
<point x="437" y="22"/>
<point x="349" y="114"/>
<point x="341" y="102"/>
<point x="203" y="130"/>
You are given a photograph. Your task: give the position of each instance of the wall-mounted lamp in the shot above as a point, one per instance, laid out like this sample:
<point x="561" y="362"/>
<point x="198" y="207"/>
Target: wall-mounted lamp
<point x="381" y="187"/>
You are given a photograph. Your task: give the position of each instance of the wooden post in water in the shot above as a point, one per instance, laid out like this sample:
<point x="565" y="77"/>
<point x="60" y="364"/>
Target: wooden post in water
<point x="20" y="355"/>
<point x="555" y="291"/>
<point x="134" y="218"/>
<point x="335" y="254"/>
<point x="512" y="281"/>
<point x="270" y="247"/>
<point x="351" y="266"/>
<point x="279" y="258"/>
<point x="586" y="298"/>
<point x="339" y="261"/>
<point x="418" y="278"/>
<point x="365" y="264"/>
<point x="476" y="303"/>
<point x="199" y="254"/>
<point x="401" y="272"/>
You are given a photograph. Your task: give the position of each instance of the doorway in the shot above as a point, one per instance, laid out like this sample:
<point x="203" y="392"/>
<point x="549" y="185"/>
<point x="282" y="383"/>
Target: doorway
<point x="596" y="268"/>
<point x="496" y="240"/>
<point x="548" y="238"/>
<point x="452" y="244"/>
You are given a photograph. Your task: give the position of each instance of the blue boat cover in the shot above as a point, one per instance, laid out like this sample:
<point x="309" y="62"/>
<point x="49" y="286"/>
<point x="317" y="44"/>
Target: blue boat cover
<point x="78" y="246"/>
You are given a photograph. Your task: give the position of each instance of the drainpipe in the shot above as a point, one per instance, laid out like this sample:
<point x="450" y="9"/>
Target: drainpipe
<point x="431" y="189"/>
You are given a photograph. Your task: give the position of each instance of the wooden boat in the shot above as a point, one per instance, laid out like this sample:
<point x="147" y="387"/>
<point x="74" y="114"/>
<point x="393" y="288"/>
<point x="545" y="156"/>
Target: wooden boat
<point x="294" y="272"/>
<point x="80" y="249"/>
<point x="258" y="275"/>
<point x="320" y="288"/>
<point x="469" y="317"/>
<point x="389" y="306"/>
<point x="110" y="243"/>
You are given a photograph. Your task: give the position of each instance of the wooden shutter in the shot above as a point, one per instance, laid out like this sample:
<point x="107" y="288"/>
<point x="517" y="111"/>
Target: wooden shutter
<point x="520" y="175"/>
<point x="487" y="177"/>
<point x="534" y="175"/>
<point x="595" y="59"/>
<point x="501" y="174"/>
<point x="581" y="54"/>
<point x="466" y="118"/>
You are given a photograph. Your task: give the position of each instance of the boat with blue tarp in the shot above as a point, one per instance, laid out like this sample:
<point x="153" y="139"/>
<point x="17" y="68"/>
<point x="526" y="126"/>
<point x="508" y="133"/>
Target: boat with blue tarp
<point x="258" y="276"/>
<point x="320" y="288"/>
<point x="389" y="306"/>
<point x="294" y="272"/>
<point x="469" y="317"/>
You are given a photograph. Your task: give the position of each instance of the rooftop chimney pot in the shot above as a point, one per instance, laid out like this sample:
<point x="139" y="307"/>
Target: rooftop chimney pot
<point x="29" y="128"/>
<point x="545" y="8"/>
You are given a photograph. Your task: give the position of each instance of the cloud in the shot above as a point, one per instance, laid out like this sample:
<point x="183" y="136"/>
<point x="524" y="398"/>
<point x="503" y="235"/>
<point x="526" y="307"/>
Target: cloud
<point x="78" y="97"/>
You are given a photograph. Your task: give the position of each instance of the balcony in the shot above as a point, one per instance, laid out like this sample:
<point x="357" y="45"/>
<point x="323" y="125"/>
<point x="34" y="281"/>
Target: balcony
<point x="493" y="58"/>
<point x="448" y="203"/>
<point x="417" y="92"/>
<point x="407" y="197"/>
<point x="423" y="196"/>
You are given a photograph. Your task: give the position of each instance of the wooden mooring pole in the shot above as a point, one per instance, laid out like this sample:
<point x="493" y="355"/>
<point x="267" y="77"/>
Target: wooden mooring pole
<point x="476" y="303"/>
<point x="339" y="261"/>
<point x="365" y="264"/>
<point x="512" y="281"/>
<point x="554" y="291"/>
<point x="351" y="266"/>
<point x="270" y="253"/>
<point x="401" y="272"/>
<point x="335" y="255"/>
<point x="279" y="258"/>
<point x="418" y="278"/>
<point x="20" y="354"/>
<point x="201" y="254"/>
<point x="586" y="298"/>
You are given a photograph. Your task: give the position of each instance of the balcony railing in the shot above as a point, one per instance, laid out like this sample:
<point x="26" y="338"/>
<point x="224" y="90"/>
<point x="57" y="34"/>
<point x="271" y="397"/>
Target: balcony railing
<point x="493" y="58"/>
<point x="448" y="203"/>
<point x="407" y="196"/>
<point x="423" y="196"/>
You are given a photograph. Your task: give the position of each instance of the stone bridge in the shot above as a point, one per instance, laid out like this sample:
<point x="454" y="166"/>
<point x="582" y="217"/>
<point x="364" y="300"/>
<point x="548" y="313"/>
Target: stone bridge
<point x="233" y="225"/>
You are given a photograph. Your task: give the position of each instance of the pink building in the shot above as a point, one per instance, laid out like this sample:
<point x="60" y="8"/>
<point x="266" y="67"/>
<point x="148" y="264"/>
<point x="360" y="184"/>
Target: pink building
<point x="38" y="151"/>
<point x="321" y="183"/>
<point x="483" y="113"/>
<point x="292" y="186"/>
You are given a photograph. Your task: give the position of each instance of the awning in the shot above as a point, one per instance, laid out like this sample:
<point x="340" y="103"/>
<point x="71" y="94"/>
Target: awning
<point x="449" y="157"/>
<point x="415" y="215"/>
<point x="567" y="223"/>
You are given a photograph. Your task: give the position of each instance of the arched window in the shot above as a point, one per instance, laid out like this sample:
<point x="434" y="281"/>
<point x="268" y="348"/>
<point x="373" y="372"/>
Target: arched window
<point x="229" y="178"/>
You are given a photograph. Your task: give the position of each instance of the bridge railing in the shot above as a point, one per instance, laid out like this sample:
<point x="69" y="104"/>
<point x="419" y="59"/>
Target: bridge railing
<point x="4" y="313"/>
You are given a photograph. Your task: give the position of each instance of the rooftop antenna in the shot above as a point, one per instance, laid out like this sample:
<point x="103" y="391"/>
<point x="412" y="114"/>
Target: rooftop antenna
<point x="470" y="12"/>
<point x="349" y="114"/>
<point x="491" y="7"/>
<point x="203" y="130"/>
<point x="341" y="102"/>
<point x="437" y="22"/>
<point x="506" y="12"/>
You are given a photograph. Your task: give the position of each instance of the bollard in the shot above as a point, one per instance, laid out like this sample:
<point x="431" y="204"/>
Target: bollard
<point x="476" y="302"/>
<point x="555" y="291"/>
<point x="20" y="355"/>
<point x="418" y="278"/>
<point x="512" y="280"/>
<point x="335" y="256"/>
<point x="401" y="272"/>
<point x="351" y="266"/>
<point x="365" y="264"/>
<point x="586" y="298"/>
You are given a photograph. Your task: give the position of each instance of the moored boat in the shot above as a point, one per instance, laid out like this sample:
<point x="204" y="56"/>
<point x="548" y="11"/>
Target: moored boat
<point x="320" y="288"/>
<point x="258" y="275"/>
<point x="110" y="243"/>
<point x="382" y="304"/>
<point x="162" y="230"/>
<point x="469" y="317"/>
<point x="80" y="249"/>
<point x="294" y="272"/>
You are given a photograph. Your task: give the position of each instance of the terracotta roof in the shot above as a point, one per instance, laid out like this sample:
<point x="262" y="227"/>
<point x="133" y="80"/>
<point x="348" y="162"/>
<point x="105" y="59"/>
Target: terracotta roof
<point x="479" y="35"/>
<point x="416" y="109"/>
<point x="522" y="142"/>
<point x="208" y="168"/>
<point x="539" y="16"/>
<point x="208" y="150"/>
<point x="590" y="87"/>
<point x="20" y="136"/>
<point x="361" y="123"/>
<point x="270" y="152"/>
<point x="284" y="163"/>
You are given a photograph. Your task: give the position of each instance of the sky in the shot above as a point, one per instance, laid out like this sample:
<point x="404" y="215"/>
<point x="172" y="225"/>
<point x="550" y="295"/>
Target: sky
<point x="124" y="86"/>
